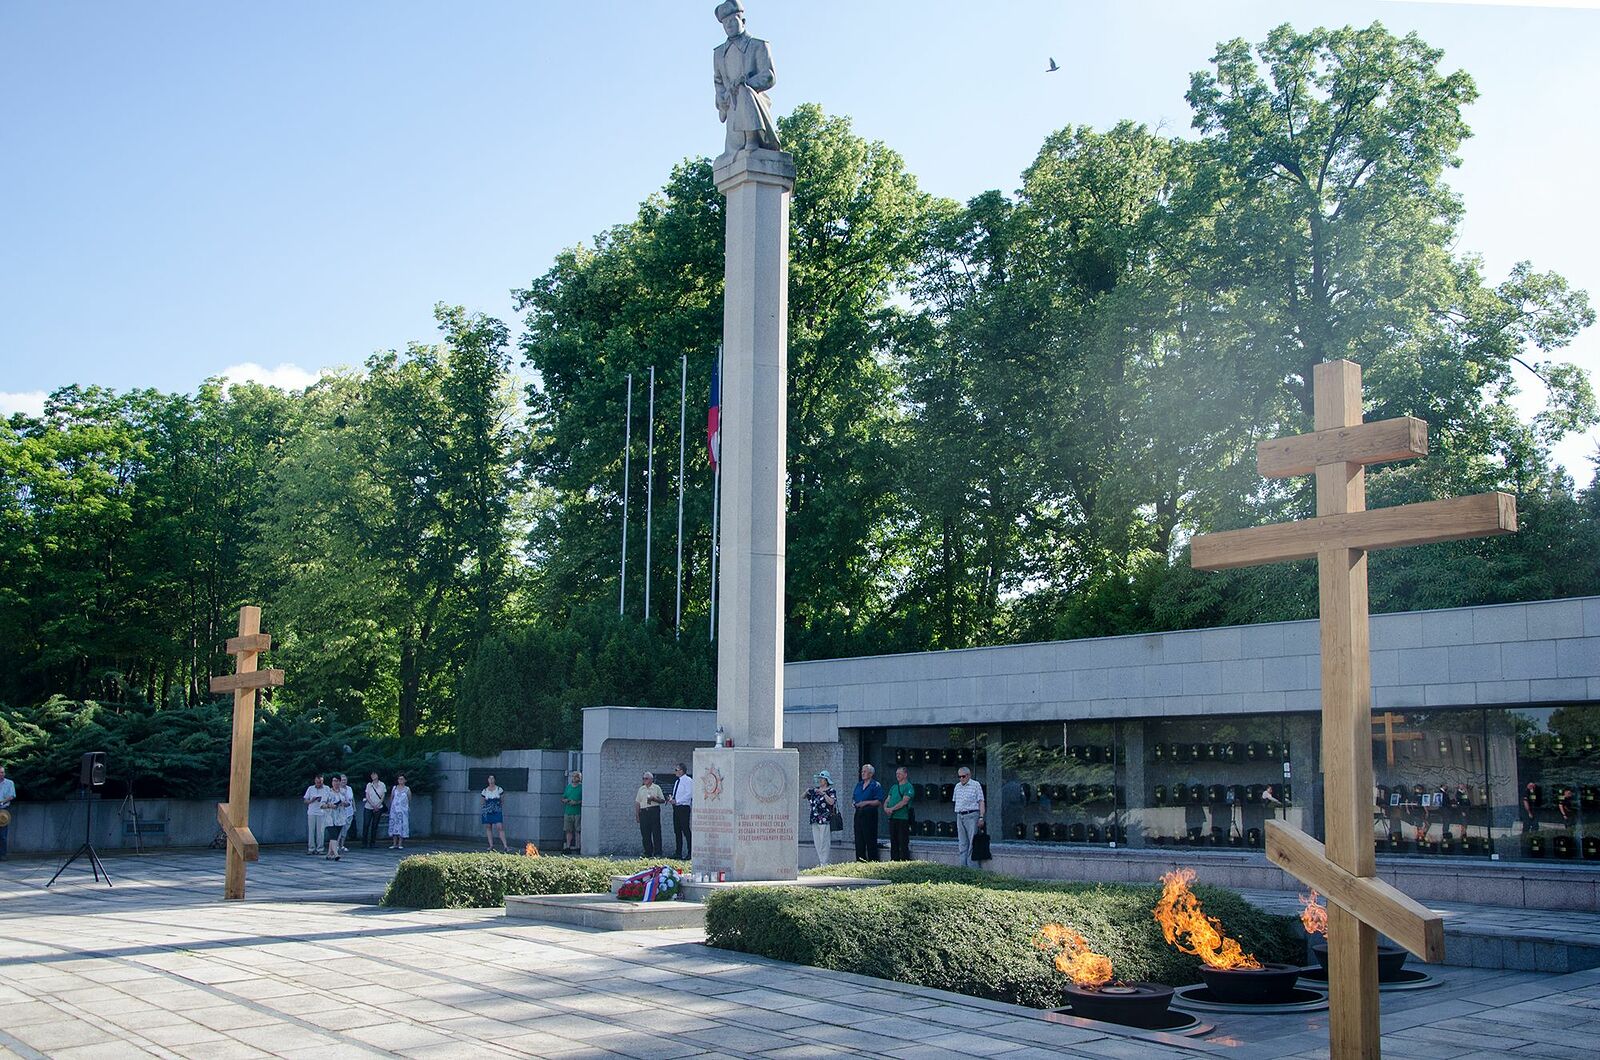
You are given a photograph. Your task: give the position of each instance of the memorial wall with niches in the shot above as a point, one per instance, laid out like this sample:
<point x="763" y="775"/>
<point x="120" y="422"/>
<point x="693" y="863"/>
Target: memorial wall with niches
<point x="1473" y="782"/>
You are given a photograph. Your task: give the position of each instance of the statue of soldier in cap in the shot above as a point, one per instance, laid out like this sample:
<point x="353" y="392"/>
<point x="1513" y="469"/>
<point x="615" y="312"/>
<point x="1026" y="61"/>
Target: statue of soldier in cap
<point x="743" y="66"/>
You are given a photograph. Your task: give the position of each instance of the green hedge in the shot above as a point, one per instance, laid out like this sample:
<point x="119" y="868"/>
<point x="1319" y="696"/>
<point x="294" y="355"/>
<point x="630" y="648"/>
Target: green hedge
<point x="482" y="881"/>
<point x="975" y="939"/>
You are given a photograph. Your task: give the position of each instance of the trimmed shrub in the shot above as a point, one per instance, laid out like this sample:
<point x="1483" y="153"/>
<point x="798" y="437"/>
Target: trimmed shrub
<point x="482" y="881"/>
<point x="976" y="940"/>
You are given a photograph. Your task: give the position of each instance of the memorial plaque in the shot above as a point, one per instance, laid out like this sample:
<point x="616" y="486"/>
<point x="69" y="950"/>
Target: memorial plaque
<point x="509" y="779"/>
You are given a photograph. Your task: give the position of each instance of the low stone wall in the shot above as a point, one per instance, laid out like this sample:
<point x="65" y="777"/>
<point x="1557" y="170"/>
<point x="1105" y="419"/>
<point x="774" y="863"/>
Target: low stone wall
<point x="657" y="741"/>
<point x="532" y="816"/>
<point x="58" y="827"/>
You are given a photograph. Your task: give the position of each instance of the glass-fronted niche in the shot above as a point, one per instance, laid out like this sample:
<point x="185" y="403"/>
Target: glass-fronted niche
<point x="1504" y="783"/>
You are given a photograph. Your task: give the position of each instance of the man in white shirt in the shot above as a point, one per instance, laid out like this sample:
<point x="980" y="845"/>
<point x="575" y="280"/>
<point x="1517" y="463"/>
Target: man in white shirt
<point x="969" y="812"/>
<point x="647" y="811"/>
<point x="314" y="816"/>
<point x="682" y="809"/>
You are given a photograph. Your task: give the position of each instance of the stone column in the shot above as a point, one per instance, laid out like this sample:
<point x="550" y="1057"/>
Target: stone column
<point x="747" y="798"/>
<point x="755" y="326"/>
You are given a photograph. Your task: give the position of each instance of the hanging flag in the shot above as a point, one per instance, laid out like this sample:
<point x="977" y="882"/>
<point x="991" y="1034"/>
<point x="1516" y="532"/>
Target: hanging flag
<point x="714" y="418"/>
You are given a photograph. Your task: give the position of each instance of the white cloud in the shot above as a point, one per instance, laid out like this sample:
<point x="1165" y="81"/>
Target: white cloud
<point x="284" y="376"/>
<point x="28" y="401"/>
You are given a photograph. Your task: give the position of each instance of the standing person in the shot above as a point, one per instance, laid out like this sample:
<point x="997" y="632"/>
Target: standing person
<point x="969" y="812"/>
<point x="372" y="807"/>
<point x="399" y="814"/>
<point x="8" y="795"/>
<point x="824" y="802"/>
<point x="334" y="821"/>
<point x="898" y="807"/>
<point x="682" y="811"/>
<point x="314" y="822"/>
<point x="867" y="798"/>
<point x="347" y="812"/>
<point x="647" y="803"/>
<point x="572" y="813"/>
<point x="493" y="815"/>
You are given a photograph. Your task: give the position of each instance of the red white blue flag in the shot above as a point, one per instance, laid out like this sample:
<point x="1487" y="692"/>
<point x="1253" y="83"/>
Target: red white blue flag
<point x="714" y="417"/>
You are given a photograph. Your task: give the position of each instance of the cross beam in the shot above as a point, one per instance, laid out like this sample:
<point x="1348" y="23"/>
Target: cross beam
<point x="1338" y="452"/>
<point x="234" y="815"/>
<point x="1386" y="721"/>
<point x="1392" y="911"/>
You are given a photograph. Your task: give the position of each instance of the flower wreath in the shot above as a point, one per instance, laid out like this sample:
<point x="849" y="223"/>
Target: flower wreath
<point x="660" y="883"/>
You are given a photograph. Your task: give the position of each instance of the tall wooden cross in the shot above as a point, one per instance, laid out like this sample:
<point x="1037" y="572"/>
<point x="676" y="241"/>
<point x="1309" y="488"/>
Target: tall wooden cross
<point x="1390" y="735"/>
<point x="234" y="815"/>
<point x="1341" y="535"/>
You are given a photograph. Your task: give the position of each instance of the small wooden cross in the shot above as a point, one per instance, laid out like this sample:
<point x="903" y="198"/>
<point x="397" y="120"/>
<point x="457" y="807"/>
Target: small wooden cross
<point x="1341" y="535"/>
<point x="1385" y="721"/>
<point x="234" y="815"/>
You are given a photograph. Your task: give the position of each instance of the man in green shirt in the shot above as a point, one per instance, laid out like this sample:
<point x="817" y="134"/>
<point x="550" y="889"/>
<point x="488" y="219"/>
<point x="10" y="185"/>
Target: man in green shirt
<point x="898" y="807"/>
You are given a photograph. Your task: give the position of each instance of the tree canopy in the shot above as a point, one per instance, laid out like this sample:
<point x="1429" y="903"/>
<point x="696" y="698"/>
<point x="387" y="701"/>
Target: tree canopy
<point x="1007" y="417"/>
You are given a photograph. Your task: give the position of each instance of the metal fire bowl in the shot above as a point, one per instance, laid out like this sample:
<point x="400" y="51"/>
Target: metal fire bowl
<point x="1391" y="961"/>
<point x="1301" y="999"/>
<point x="1142" y="1005"/>
<point x="1407" y="979"/>
<point x="1177" y="1021"/>
<point x="1270" y="984"/>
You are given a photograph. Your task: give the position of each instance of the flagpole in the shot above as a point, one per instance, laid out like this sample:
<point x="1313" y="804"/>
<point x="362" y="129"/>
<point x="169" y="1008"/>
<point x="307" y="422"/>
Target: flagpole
<point x="683" y="411"/>
<point x="716" y="505"/>
<point x="650" y="489"/>
<point x="627" y="453"/>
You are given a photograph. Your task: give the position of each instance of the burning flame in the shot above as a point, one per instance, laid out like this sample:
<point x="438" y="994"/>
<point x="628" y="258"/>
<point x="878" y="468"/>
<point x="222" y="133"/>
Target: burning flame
<point x="1186" y="926"/>
<point x="530" y="851"/>
<point x="1076" y="960"/>
<point x="1314" y="916"/>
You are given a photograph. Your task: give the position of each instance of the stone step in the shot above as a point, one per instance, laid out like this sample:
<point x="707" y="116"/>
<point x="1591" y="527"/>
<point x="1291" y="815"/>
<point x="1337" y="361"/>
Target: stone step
<point x="604" y="912"/>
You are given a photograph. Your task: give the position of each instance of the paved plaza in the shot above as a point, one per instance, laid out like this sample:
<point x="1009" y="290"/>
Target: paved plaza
<point x="157" y="965"/>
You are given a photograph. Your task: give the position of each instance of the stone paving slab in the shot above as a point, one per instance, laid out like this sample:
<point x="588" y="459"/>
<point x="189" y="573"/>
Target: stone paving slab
<point x="156" y="966"/>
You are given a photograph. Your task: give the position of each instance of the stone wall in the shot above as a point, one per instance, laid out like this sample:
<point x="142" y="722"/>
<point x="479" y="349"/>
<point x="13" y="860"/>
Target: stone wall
<point x="530" y="816"/>
<point x="1546" y="651"/>
<point x="657" y="740"/>
<point x="58" y="827"/>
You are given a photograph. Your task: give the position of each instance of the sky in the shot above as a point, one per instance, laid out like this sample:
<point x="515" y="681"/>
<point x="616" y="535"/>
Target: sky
<point x="193" y="189"/>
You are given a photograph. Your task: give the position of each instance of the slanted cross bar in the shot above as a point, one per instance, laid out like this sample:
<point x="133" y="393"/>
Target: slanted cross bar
<point x="234" y="815"/>
<point x="1359" y="905"/>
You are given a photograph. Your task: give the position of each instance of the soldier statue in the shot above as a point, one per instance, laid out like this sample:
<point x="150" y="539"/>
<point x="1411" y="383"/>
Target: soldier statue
<point x="743" y="67"/>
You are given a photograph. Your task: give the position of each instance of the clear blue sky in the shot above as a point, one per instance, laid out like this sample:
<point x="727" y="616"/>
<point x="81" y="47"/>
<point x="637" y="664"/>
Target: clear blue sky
<point x="192" y="186"/>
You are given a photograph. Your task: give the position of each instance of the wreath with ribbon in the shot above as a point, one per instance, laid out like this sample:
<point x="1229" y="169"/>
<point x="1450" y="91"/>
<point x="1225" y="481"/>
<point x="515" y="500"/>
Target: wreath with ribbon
<point x="659" y="883"/>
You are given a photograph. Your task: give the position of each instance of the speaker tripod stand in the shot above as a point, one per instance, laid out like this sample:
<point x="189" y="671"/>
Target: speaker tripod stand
<point x="88" y="846"/>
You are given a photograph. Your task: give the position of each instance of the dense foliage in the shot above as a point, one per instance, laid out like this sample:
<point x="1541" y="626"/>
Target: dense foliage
<point x="482" y="881"/>
<point x="1006" y="418"/>
<point x="181" y="752"/>
<point x="976" y="935"/>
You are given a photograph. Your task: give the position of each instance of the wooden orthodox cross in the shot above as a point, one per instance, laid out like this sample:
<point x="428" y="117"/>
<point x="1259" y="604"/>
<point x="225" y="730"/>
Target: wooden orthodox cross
<point x="1386" y="721"/>
<point x="1341" y="535"/>
<point x="234" y="815"/>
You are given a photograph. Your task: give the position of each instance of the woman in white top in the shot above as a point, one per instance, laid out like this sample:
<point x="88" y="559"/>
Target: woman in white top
<point x="493" y="815"/>
<point x="399" y="814"/>
<point x="372" y="803"/>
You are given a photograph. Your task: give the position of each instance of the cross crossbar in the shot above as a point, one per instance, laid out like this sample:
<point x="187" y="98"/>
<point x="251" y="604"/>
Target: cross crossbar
<point x="249" y="642"/>
<point x="1405" y="438"/>
<point x="1389" y="910"/>
<point x="239" y="836"/>
<point x="1453" y="519"/>
<point x="247" y="679"/>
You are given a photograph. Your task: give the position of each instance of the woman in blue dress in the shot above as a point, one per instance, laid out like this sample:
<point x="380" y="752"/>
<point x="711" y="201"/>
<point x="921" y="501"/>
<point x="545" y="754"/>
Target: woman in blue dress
<point x="493" y="815"/>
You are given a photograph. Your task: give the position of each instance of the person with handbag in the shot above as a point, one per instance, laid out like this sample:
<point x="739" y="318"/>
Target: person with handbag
<point x="899" y="810"/>
<point x="824" y="817"/>
<point x="372" y="804"/>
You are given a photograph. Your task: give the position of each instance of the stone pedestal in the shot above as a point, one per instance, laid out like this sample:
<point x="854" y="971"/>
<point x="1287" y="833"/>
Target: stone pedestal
<point x="747" y="812"/>
<point x="755" y="330"/>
